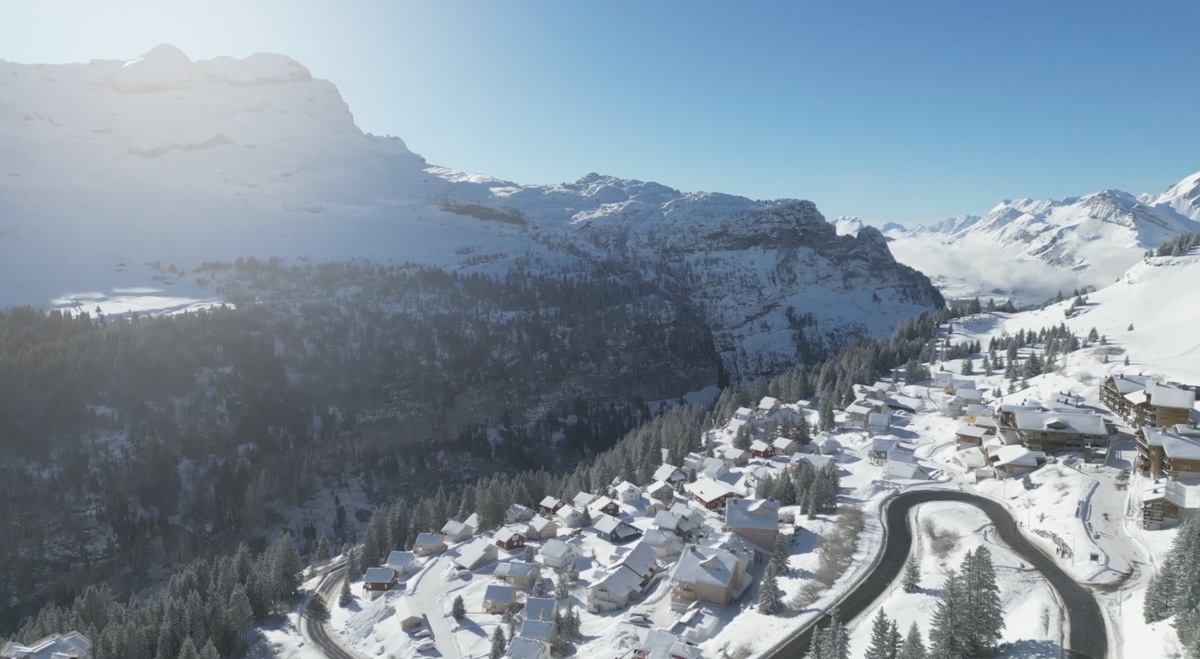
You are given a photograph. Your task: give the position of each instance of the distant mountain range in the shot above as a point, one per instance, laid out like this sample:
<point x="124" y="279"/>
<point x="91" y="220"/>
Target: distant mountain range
<point x="114" y="173"/>
<point x="1030" y="249"/>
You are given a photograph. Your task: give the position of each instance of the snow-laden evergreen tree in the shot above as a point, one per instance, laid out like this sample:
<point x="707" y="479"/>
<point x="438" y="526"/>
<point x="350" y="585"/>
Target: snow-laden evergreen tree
<point x="286" y="566"/>
<point x="945" y="631"/>
<point x="344" y="595"/>
<point x="770" y="602"/>
<point x="825" y="411"/>
<point x="498" y="643"/>
<point x="780" y="557"/>
<point x="913" y="646"/>
<point x="897" y="639"/>
<point x="354" y="568"/>
<point x="323" y="551"/>
<point x="882" y="645"/>
<point x="188" y="649"/>
<point x="458" y="609"/>
<point x="912" y="576"/>
<point x="209" y="651"/>
<point x="540" y="589"/>
<point x="835" y="642"/>
<point x="968" y="367"/>
<point x="984" y="619"/>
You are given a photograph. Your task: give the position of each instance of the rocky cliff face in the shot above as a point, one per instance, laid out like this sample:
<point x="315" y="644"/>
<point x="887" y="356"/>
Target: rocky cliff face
<point x="108" y="166"/>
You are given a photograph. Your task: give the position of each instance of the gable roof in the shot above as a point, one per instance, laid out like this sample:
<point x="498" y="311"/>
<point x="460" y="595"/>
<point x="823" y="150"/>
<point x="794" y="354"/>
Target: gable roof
<point x="707" y="489"/>
<point x="379" y="575"/>
<point x="509" y="533"/>
<point x="455" y="528"/>
<point x="499" y="593"/>
<point x="768" y="403"/>
<point x="539" y="523"/>
<point x="610" y="525"/>
<point x="1165" y="395"/>
<point x="474" y="552"/>
<point x="523" y="647"/>
<point x="540" y="608"/>
<point x="641" y="560"/>
<point x="400" y="559"/>
<point x="705" y="565"/>
<point x="668" y="472"/>
<point x="1085" y="423"/>
<point x="556" y="548"/>
<point x="424" y="539"/>
<point x="621" y="581"/>
<point x="541" y="630"/>
<point x="518" y="569"/>
<point x="582" y="499"/>
<point x="752" y="514"/>
<point x="552" y="503"/>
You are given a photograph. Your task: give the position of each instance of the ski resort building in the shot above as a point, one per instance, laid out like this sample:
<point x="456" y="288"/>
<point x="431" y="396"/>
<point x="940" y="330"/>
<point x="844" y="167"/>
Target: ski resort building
<point x="709" y="574"/>
<point x="1171" y="452"/>
<point x="756" y="520"/>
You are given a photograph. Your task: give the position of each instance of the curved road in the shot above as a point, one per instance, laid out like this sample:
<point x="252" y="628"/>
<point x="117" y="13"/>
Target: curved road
<point x="315" y="628"/>
<point x="1089" y="636"/>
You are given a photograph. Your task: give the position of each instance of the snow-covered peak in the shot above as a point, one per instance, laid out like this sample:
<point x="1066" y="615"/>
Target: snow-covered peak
<point x="1182" y="197"/>
<point x="847" y="225"/>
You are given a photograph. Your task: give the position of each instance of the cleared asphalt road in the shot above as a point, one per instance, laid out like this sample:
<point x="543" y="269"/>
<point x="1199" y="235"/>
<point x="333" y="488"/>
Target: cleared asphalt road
<point x="315" y="627"/>
<point x="1089" y="637"/>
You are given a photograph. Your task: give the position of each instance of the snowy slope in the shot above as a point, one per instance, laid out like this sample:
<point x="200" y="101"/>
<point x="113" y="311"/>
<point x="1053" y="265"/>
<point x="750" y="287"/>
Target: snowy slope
<point x="109" y="166"/>
<point x="1031" y="249"/>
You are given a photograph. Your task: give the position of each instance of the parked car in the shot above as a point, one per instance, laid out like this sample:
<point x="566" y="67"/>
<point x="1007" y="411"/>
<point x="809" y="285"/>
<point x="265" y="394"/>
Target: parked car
<point x="424" y="633"/>
<point x="426" y="645"/>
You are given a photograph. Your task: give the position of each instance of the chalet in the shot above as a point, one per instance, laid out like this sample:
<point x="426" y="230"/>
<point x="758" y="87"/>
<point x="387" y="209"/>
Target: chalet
<point x="642" y="560"/>
<point x="902" y="465"/>
<point x="408" y="612"/>
<point x="627" y="492"/>
<point x="379" y="579"/>
<point x="605" y="506"/>
<point x="1052" y="430"/>
<point x="970" y="396"/>
<point x="73" y="645"/>
<point x="714" y="468"/>
<point x="522" y="647"/>
<point x="517" y="513"/>
<point x="543" y="528"/>
<point x="693" y="462"/>
<point x="614" y="590"/>
<point x="661" y="491"/>
<point x="1169" y="503"/>
<point x="550" y="505"/>
<point x="669" y="474"/>
<point x="1143" y="401"/>
<point x="1114" y="390"/>
<point x="661" y="644"/>
<point x="1171" y="452"/>
<point x="744" y="414"/>
<point x="761" y="449"/>
<point x="456" y="531"/>
<point x="756" y="520"/>
<point x="665" y="544"/>
<point x="518" y="573"/>
<point x="538" y="630"/>
<point x="864" y="391"/>
<point x="953" y="407"/>
<point x="784" y="446"/>
<point x="709" y="574"/>
<point x="559" y="554"/>
<point x="879" y="422"/>
<point x="472" y="522"/>
<point x="1011" y="459"/>
<point x="680" y="520"/>
<point x="499" y="598"/>
<point x="509" y="538"/>
<point x="817" y="462"/>
<point x="857" y="413"/>
<point x="943" y="379"/>
<point x="476" y="554"/>
<point x="540" y="608"/>
<point x="969" y="435"/>
<point x="403" y="562"/>
<point x="768" y="406"/>
<point x="712" y="494"/>
<point x="879" y="448"/>
<point x="569" y="517"/>
<point x="699" y="622"/>
<point x="735" y="457"/>
<point x="614" y="529"/>
<point x="974" y="411"/>
<point x="584" y="499"/>
<point x="428" y="544"/>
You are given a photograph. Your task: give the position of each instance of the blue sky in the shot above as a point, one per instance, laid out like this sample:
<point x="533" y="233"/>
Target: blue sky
<point x="893" y="111"/>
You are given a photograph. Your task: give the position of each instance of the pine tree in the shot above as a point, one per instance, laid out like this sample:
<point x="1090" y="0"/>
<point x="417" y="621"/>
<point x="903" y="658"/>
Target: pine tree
<point x="354" y="569"/>
<point x="498" y="643"/>
<point x="912" y="576"/>
<point x="897" y="639"/>
<point x="539" y="588"/>
<point x="345" y="597"/>
<point x="209" y="651"/>
<point x="968" y="367"/>
<point x="239" y="616"/>
<point x="323" y="550"/>
<point x="825" y="411"/>
<point x="984" y="612"/>
<point x="286" y="566"/>
<point x="913" y="647"/>
<point x="572" y="573"/>
<point x="769" y="600"/>
<point x="881" y="646"/>
<point x="835" y="642"/>
<point x="945" y="632"/>
<point x="458" y="609"/>
<point x="188" y="649"/>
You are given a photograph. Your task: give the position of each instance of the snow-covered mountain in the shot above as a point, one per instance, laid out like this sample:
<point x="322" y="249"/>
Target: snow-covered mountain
<point x="109" y="166"/>
<point x="1031" y="249"/>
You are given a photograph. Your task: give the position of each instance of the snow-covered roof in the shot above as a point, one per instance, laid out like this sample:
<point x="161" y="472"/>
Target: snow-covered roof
<point x="518" y="569"/>
<point x="1084" y="423"/>
<point x="707" y="489"/>
<point x="567" y="512"/>
<point x="472" y="521"/>
<point x="582" y="499"/>
<point x="429" y="540"/>
<point x="539" y="523"/>
<point x="817" y="462"/>
<point x="1175" y="445"/>
<point x="1129" y="383"/>
<point x="500" y="594"/>
<point x="379" y="575"/>
<point x="971" y="458"/>
<point x="767" y="404"/>
<point x="510" y="532"/>
<point x="1165" y="395"/>
<point x="1015" y="455"/>
<point x="541" y="630"/>
<point x="527" y="648"/>
<point x="474" y="553"/>
<point x="1184" y="495"/>
<point x="859" y="407"/>
<point x="400" y="559"/>
<point x="705" y="565"/>
<point x="407" y="608"/>
<point x="668" y="472"/>
<point x="715" y="467"/>
<point x="782" y="443"/>
<point x="661" y="644"/>
<point x="698" y="623"/>
<point x="551" y="503"/>
<point x="752" y="514"/>
<point x="610" y="525"/>
<point x="626" y="486"/>
<point x="660" y="538"/>
<point x="555" y="548"/>
<point x="733" y="453"/>
<point x="969" y="430"/>
<point x="743" y="412"/>
<point x="759" y="446"/>
<point x="454" y="528"/>
<point x="540" y="608"/>
<point x="55" y="646"/>
<point x="517" y="510"/>
<point x="665" y="520"/>
<point x="621" y="581"/>
<point x="641" y="560"/>
<point x="883" y="444"/>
